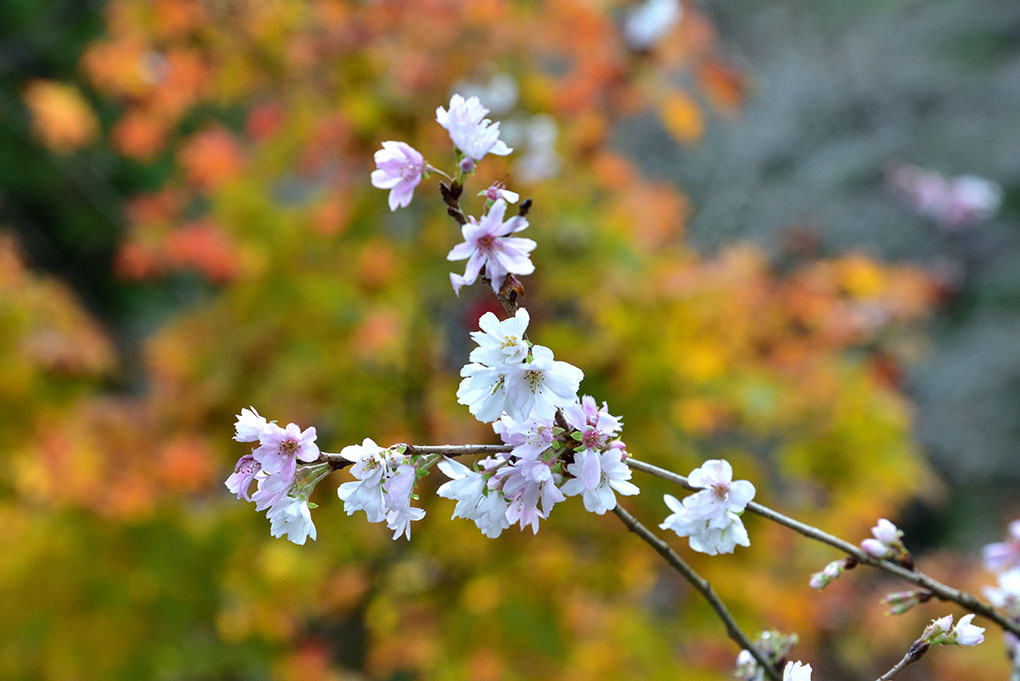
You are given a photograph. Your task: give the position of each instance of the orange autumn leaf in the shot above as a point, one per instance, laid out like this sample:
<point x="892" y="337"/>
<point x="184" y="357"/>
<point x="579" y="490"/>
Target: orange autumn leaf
<point x="211" y="157"/>
<point x="725" y="87"/>
<point x="61" y="118"/>
<point x="139" y="135"/>
<point x="682" y="118"/>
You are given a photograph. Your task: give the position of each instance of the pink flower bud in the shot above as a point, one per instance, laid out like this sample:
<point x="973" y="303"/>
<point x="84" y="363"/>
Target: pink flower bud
<point x="875" y="548"/>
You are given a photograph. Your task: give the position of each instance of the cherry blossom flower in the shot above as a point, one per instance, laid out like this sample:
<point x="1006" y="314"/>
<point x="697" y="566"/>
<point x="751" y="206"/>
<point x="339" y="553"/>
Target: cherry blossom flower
<point x="710" y="518"/>
<point x="596" y="477"/>
<point x="271" y="490"/>
<point x="497" y="190"/>
<point x="595" y="425"/>
<point x="281" y="448"/>
<point x="487" y="243"/>
<point x="484" y="391"/>
<point x="397" y="496"/>
<point x="1006" y="554"/>
<point x="399" y="169"/>
<point x="475" y="501"/>
<point x="249" y="425"/>
<point x="472" y="133"/>
<point x="244" y="474"/>
<point x="966" y="634"/>
<point x="797" y="671"/>
<point x="366" y="492"/>
<point x="292" y="517"/>
<point x="501" y="342"/>
<point x="529" y="438"/>
<point x="541" y="386"/>
<point x="721" y="534"/>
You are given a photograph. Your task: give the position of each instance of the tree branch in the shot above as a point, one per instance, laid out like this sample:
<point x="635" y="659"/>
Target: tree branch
<point x="898" y="668"/>
<point x="701" y="585"/>
<point x="942" y="591"/>
<point x="337" y="462"/>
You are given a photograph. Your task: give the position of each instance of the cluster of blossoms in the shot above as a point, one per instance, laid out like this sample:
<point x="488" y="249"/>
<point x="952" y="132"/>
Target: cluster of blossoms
<point x="561" y="446"/>
<point x="953" y="202"/>
<point x="282" y="486"/>
<point x="488" y="243"/>
<point x="384" y="485"/>
<point x="711" y="517"/>
<point x="556" y="444"/>
<point x="1003" y="559"/>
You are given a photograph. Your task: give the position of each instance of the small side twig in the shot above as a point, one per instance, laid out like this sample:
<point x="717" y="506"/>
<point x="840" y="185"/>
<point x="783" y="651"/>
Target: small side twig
<point x="701" y="585"/>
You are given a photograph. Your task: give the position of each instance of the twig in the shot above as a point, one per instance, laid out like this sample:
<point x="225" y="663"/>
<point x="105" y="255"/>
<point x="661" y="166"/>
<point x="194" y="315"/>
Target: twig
<point x="917" y="650"/>
<point x="338" y="462"/>
<point x="701" y="585"/>
<point x="942" y="591"/>
<point x="897" y="669"/>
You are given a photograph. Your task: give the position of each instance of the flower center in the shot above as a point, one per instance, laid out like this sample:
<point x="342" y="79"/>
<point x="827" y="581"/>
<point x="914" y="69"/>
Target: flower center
<point x="288" y="447"/>
<point x="509" y="342"/>
<point x="720" y="490"/>
<point x="591" y="438"/>
<point x="409" y="171"/>
<point x="534" y="379"/>
<point x="486" y="242"/>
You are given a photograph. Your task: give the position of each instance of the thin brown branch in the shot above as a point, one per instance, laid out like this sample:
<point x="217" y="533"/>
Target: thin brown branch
<point x="338" y="462"/>
<point x="914" y="576"/>
<point x="897" y="669"/>
<point x="701" y="585"/>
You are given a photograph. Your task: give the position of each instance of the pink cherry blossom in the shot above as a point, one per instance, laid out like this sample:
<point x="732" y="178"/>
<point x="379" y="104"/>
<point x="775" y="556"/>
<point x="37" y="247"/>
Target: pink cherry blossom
<point x="281" y="448"/>
<point x="488" y="244"/>
<point x="244" y="474"/>
<point x="597" y="475"/>
<point x="471" y="132"/>
<point x="249" y="425"/>
<point x="399" y="169"/>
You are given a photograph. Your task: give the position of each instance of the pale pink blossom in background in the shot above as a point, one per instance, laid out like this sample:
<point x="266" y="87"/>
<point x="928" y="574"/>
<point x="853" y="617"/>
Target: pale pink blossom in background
<point x="954" y="202"/>
<point x="1005" y="554"/>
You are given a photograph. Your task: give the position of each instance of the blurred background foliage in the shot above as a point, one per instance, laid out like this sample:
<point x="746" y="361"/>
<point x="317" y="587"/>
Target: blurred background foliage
<point x="188" y="228"/>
